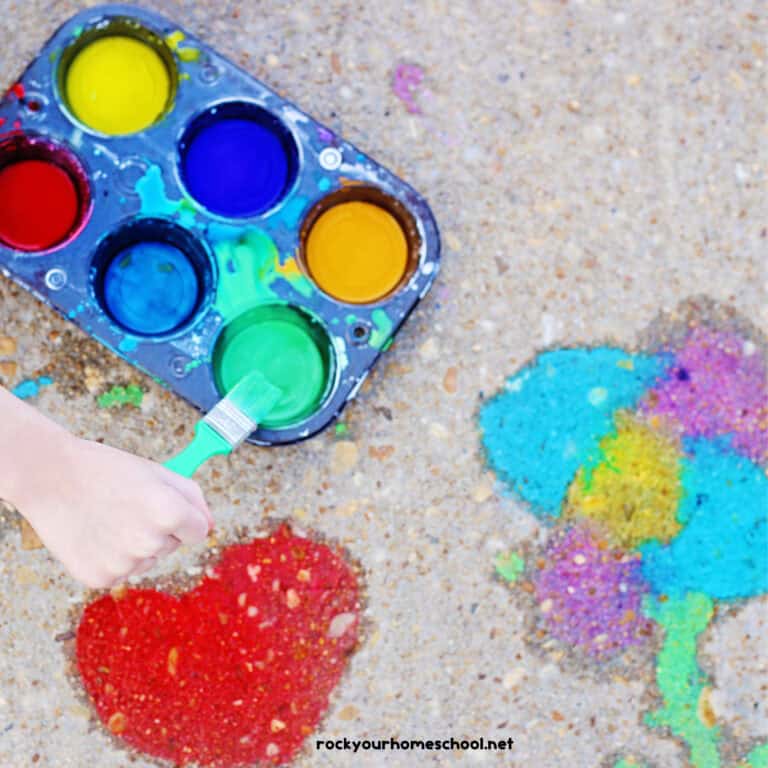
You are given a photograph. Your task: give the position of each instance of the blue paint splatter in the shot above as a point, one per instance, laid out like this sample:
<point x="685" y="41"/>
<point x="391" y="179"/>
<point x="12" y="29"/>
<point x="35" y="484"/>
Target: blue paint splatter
<point x="31" y="388"/>
<point x="553" y="413"/>
<point x="155" y="202"/>
<point x="723" y="549"/>
<point x="128" y="344"/>
<point x="290" y="213"/>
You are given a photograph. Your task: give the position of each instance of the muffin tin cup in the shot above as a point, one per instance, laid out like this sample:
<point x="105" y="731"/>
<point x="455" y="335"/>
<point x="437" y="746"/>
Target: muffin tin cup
<point x="45" y="197"/>
<point x="381" y="287"/>
<point x="78" y="82"/>
<point x="291" y="348"/>
<point x="152" y="277"/>
<point x="237" y="160"/>
<point x="242" y="261"/>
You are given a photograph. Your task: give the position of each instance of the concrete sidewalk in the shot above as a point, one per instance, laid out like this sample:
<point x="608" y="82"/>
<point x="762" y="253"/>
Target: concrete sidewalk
<point x="590" y="164"/>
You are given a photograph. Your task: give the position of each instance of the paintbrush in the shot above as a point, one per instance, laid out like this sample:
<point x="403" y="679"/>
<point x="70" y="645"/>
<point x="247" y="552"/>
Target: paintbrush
<point x="229" y="423"/>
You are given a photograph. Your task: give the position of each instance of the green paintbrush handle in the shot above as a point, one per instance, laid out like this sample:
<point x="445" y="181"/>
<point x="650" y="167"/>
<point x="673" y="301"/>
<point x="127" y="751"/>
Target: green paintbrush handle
<point x="206" y="443"/>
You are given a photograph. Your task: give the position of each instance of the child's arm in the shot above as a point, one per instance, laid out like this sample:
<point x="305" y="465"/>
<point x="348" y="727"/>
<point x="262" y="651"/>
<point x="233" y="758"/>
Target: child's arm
<point x="104" y="513"/>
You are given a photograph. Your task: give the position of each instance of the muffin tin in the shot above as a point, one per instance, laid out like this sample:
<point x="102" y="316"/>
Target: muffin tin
<point x="198" y="224"/>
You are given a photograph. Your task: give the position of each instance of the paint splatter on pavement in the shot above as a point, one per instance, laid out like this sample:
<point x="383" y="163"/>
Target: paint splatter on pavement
<point x="234" y="672"/>
<point x="510" y="566"/>
<point x="132" y="394"/>
<point x="406" y="82"/>
<point x="590" y="595"/>
<point x="30" y="388"/>
<point x="651" y="465"/>
<point x="716" y="388"/>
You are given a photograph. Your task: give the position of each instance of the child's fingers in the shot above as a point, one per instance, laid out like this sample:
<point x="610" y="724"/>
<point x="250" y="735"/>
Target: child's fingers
<point x="120" y="567"/>
<point x="92" y="578"/>
<point x="170" y="546"/>
<point x="191" y="491"/>
<point x="149" y="546"/>
<point x="193" y="526"/>
<point x="145" y="565"/>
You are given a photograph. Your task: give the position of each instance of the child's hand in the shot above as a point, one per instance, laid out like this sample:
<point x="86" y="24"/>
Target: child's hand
<point x="104" y="513"/>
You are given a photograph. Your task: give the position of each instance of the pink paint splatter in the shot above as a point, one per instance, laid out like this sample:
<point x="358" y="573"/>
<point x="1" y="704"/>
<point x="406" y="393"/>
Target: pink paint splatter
<point x="718" y="386"/>
<point x="405" y="83"/>
<point x="590" y="596"/>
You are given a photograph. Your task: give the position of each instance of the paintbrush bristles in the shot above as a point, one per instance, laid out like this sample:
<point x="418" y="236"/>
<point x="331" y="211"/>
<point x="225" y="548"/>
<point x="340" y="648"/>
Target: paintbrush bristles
<point x="240" y="412"/>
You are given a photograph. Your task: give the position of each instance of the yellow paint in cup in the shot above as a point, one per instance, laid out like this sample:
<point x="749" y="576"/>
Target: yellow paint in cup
<point x="356" y="252"/>
<point x="117" y="85"/>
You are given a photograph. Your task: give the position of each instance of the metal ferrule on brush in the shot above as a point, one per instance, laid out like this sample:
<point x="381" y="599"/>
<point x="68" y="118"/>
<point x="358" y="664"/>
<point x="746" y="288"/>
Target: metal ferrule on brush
<point x="230" y="422"/>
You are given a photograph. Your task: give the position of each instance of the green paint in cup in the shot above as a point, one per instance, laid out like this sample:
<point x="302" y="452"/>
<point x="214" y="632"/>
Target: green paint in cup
<point x="289" y="348"/>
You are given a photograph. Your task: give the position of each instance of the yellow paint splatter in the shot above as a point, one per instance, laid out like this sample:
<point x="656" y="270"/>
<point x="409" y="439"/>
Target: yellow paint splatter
<point x="634" y="488"/>
<point x="174" y="38"/>
<point x="184" y="54"/>
<point x="289" y="269"/>
<point x="705" y="710"/>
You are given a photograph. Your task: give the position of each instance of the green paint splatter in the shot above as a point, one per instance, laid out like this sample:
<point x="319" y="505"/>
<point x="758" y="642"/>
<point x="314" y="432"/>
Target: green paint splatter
<point x="187" y="206"/>
<point x="117" y="396"/>
<point x="629" y="763"/>
<point x="509" y="566"/>
<point x="679" y="677"/>
<point x="758" y="757"/>
<point x="382" y="329"/>
<point x="246" y="272"/>
<point x="248" y="266"/>
<point x="341" y="429"/>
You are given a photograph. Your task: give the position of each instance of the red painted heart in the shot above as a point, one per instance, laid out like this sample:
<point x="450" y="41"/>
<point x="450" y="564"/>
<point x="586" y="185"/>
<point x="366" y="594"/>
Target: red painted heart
<point x="237" y="671"/>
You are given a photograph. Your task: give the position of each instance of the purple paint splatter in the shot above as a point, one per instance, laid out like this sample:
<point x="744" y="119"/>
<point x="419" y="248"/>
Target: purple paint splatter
<point x="325" y="135"/>
<point x="405" y="83"/>
<point x="718" y="386"/>
<point x="590" y="595"/>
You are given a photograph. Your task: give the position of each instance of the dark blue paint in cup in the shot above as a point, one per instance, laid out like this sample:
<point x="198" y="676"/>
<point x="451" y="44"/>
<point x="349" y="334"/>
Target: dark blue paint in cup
<point x="237" y="160"/>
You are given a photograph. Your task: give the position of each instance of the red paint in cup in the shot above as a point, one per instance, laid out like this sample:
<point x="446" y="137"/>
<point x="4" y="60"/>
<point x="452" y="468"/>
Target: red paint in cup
<point x="44" y="194"/>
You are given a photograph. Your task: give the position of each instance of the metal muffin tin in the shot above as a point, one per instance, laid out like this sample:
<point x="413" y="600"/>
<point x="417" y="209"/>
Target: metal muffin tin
<point x="137" y="176"/>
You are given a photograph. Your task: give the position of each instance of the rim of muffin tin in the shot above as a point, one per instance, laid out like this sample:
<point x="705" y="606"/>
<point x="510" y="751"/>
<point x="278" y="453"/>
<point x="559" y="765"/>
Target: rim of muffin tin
<point x="106" y="20"/>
